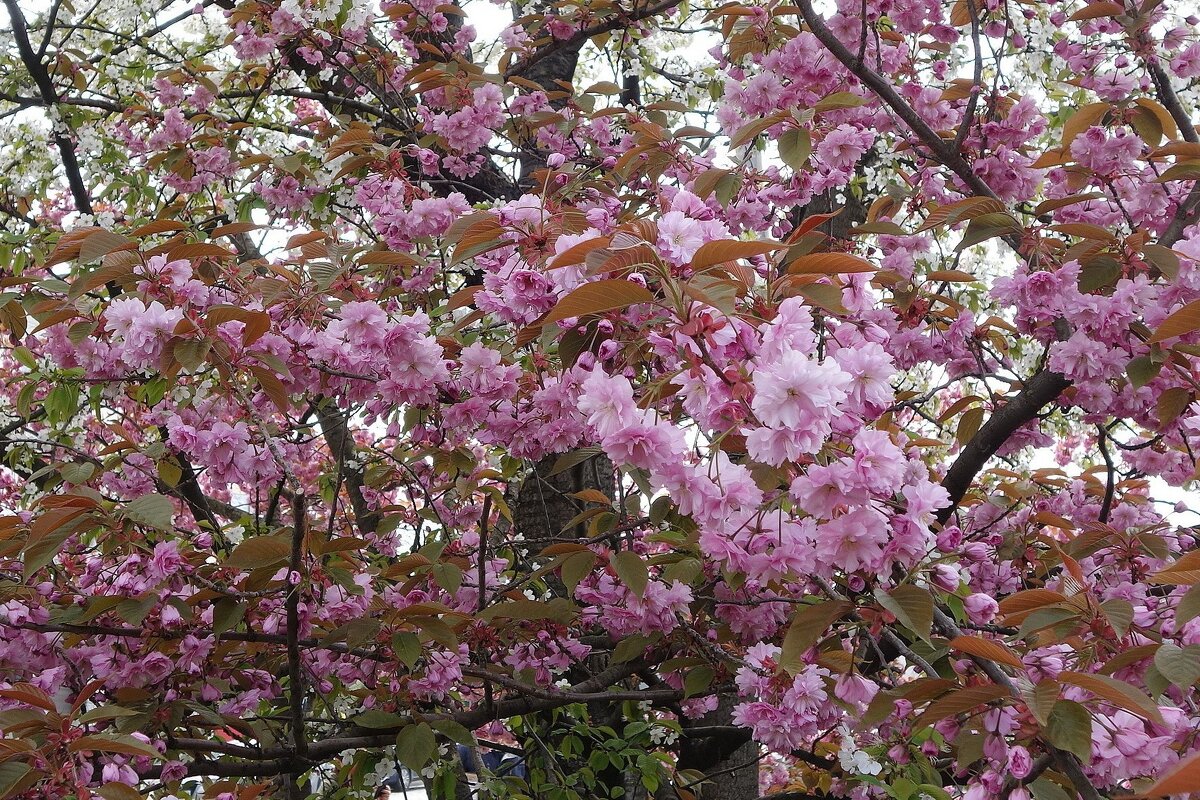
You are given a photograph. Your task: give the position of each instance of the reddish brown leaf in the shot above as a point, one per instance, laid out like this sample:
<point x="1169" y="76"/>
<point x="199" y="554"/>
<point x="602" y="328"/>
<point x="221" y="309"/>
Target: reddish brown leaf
<point x="598" y="297"/>
<point x="1184" y="779"/>
<point x="731" y="250"/>
<point x="1119" y="693"/>
<point x="1183" y="321"/>
<point x="987" y="649"/>
<point x="829" y="264"/>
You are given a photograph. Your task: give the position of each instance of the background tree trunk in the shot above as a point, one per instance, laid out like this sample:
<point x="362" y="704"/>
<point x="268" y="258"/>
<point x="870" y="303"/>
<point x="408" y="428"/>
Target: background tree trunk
<point x="731" y="759"/>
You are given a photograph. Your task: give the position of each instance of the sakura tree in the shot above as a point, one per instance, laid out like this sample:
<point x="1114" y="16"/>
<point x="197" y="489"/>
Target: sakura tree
<point x="691" y="399"/>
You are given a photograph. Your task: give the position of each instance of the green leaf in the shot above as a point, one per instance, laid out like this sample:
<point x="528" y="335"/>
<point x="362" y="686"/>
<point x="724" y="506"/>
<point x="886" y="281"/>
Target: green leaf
<point x="119" y="791"/>
<point x="1099" y="273"/>
<point x="416" y="746"/>
<point x="134" y="611"/>
<point x="1045" y="789"/>
<point x="911" y="605"/>
<point x="575" y="567"/>
<point x="447" y="576"/>
<point x="62" y="403"/>
<point x="807" y="626"/>
<point x="25" y="356"/>
<point x="630" y="648"/>
<point x="454" y="731"/>
<point x="1119" y="613"/>
<point x="1186" y="171"/>
<point x="988" y="226"/>
<point x="1045" y="618"/>
<point x="25" y="399"/>
<point x="568" y="460"/>
<point x="192" y="353"/>
<point x="559" y="609"/>
<point x="407" y="647"/>
<point x="936" y="792"/>
<point x="698" y="680"/>
<point x="105" y="713"/>
<point x="1164" y="258"/>
<point x="227" y="613"/>
<point x="15" y="776"/>
<point x="727" y="188"/>
<point x="375" y="718"/>
<point x="1142" y="370"/>
<point x="354" y="633"/>
<point x="151" y="510"/>
<point x="631" y="569"/>
<point x="1070" y="728"/>
<point x="1179" y="665"/>
<point x="77" y="473"/>
<point x="43" y="551"/>
<point x="1189" y="607"/>
<point x="795" y="146"/>
<point x="902" y="788"/>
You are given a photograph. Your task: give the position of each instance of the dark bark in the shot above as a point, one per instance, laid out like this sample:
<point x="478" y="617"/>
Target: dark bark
<point x="729" y="756"/>
<point x="341" y="445"/>
<point x="1039" y="391"/>
<point x="544" y="505"/>
<point x="853" y="209"/>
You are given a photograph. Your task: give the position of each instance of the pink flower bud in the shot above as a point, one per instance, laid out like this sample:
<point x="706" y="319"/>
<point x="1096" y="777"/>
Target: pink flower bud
<point x="945" y="577"/>
<point x="981" y="608"/>
<point x="1020" y="763"/>
<point x="948" y="539"/>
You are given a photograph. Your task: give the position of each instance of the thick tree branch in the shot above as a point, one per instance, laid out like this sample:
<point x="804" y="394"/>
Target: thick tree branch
<point x="576" y="40"/>
<point x="1040" y="390"/>
<point x="41" y="76"/>
<point x="943" y="151"/>
<point x="341" y="446"/>
<point x="292" y="603"/>
<point x="1066" y="761"/>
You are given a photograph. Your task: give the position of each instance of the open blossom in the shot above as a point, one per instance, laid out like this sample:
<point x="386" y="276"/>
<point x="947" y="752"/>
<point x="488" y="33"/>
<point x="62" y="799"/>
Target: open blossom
<point x="797" y="392"/>
<point x="789" y="714"/>
<point x="159" y="272"/>
<point x="608" y="402"/>
<point x="622" y="612"/>
<point x="140" y="330"/>
<point x="442" y="673"/>
<point x="679" y="236"/>
<point x="843" y="146"/>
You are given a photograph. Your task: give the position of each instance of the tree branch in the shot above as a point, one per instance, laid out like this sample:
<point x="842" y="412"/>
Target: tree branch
<point x="341" y="445"/>
<point x="292" y="603"/>
<point x="618" y="20"/>
<point x="944" y="151"/>
<point x="41" y="76"/>
<point x="1042" y="388"/>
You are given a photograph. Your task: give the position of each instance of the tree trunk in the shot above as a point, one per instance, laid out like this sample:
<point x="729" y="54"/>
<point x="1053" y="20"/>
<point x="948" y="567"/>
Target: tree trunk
<point x="731" y="759"/>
